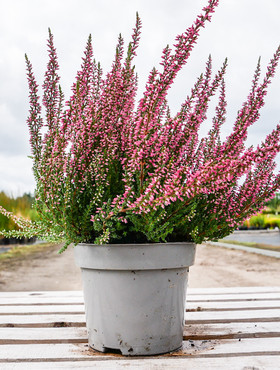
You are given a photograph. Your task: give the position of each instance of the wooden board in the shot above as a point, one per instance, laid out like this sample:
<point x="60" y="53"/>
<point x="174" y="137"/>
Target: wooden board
<point x="77" y="298"/>
<point x="16" y="335"/>
<point x="232" y="316"/>
<point x="228" y="328"/>
<point x="231" y="330"/>
<point x="41" y="309"/>
<point x="42" y="320"/>
<point x="232" y="297"/>
<point x="43" y="335"/>
<point x="25" y="309"/>
<point x="221" y="363"/>
<point x="191" y="291"/>
<point x="234" y="290"/>
<point x="38" y="300"/>
<point x="51" y="293"/>
<point x="197" y="348"/>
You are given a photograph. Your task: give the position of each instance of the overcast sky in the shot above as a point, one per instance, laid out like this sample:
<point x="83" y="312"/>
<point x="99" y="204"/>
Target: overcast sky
<point x="241" y="30"/>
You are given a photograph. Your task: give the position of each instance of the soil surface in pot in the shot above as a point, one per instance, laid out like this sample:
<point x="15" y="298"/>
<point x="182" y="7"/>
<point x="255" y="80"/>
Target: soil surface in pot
<point x="214" y="266"/>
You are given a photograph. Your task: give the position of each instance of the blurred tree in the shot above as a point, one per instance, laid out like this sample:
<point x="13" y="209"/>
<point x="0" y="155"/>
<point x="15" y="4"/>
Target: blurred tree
<point x="274" y="204"/>
<point x="21" y="206"/>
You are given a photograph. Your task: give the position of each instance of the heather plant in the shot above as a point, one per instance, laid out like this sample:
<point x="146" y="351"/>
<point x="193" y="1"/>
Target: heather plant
<point x="111" y="170"/>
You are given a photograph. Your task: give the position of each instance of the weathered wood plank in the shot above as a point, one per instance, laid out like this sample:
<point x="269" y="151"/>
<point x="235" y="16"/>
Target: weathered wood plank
<point x="228" y="328"/>
<point x="46" y="293"/>
<point x="190" y="317"/>
<point x="42" y="320"/>
<point x="40" y="309"/>
<point x="232" y="363"/>
<point x="34" y="300"/>
<point x="205" y="348"/>
<point x="231" y="305"/>
<point x="234" y="290"/>
<point x="231" y="347"/>
<point x="190" y="306"/>
<point x="232" y="330"/>
<point x="43" y="335"/>
<point x="78" y="298"/>
<point x="43" y="352"/>
<point x="232" y="316"/>
<point x="232" y="297"/>
<point x="191" y="291"/>
<point x="14" y="335"/>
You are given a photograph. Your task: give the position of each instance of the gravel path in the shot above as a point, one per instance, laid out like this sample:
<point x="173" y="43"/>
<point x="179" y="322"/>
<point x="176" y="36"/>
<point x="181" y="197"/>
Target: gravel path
<point x="214" y="267"/>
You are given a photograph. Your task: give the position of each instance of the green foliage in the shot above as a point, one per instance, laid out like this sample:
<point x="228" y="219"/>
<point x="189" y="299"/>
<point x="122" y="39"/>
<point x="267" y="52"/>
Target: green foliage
<point x="257" y="221"/>
<point x="270" y="222"/>
<point x="264" y="221"/>
<point x="20" y="206"/>
<point x="273" y="205"/>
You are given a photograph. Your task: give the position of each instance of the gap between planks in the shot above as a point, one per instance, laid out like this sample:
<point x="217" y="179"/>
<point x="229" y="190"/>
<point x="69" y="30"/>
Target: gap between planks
<point x="51" y="324"/>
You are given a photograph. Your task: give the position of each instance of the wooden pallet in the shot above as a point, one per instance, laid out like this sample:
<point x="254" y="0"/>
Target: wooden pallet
<point x="226" y="328"/>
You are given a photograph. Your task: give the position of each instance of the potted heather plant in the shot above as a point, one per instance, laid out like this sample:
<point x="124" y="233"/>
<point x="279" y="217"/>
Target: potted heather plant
<point x="134" y="188"/>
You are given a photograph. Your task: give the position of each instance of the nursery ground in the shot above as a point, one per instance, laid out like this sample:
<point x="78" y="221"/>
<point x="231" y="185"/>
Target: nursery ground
<point x="44" y="269"/>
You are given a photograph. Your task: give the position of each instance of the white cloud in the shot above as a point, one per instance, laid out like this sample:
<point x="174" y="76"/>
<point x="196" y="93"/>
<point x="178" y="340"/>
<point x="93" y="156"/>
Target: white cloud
<point x="16" y="174"/>
<point x="241" y="30"/>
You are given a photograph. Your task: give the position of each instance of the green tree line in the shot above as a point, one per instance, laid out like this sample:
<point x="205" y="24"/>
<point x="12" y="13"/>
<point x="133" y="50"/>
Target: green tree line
<point x="21" y="206"/>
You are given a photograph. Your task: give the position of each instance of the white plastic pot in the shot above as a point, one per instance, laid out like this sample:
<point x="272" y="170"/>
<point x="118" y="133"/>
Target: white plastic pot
<point x="135" y="295"/>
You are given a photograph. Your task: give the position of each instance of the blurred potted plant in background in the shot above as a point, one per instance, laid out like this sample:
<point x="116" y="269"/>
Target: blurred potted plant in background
<point x="134" y="188"/>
